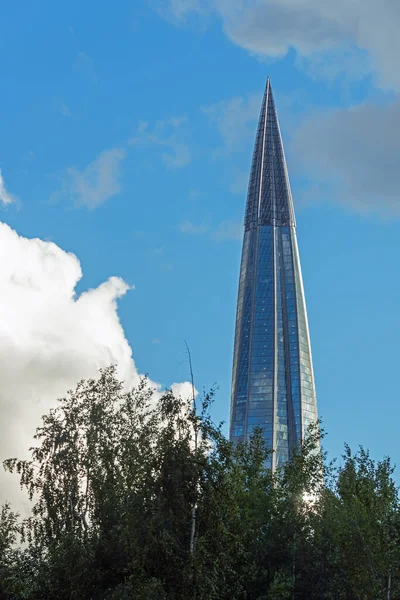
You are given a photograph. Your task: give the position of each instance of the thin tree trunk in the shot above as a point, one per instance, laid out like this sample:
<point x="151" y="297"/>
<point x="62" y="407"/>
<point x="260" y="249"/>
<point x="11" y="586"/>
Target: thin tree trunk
<point x="294" y="566"/>
<point x="194" y="507"/>
<point x="193" y="529"/>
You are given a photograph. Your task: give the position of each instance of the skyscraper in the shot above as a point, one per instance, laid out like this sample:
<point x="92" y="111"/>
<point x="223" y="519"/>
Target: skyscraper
<point x="272" y="381"/>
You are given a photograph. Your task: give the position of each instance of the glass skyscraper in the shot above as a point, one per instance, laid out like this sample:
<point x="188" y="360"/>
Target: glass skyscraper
<point x="273" y="381"/>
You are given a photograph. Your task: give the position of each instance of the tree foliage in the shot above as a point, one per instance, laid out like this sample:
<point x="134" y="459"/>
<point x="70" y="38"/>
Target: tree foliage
<point x="133" y="498"/>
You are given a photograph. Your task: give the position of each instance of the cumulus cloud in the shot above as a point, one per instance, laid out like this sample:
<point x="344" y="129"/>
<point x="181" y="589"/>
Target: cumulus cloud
<point x="50" y="338"/>
<point x="354" y="156"/>
<point x="96" y="183"/>
<point x="5" y="196"/>
<point x="183" y="390"/>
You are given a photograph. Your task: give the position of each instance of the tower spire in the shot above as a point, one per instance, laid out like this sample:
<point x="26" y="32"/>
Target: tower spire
<point x="269" y="199"/>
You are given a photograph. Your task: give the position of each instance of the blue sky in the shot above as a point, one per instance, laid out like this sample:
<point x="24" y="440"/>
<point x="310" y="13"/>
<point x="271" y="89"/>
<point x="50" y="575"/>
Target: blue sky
<point x="126" y="139"/>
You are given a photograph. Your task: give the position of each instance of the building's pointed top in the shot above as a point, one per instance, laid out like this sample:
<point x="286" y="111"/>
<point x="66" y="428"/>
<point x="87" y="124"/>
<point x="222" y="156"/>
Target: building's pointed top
<point x="269" y="200"/>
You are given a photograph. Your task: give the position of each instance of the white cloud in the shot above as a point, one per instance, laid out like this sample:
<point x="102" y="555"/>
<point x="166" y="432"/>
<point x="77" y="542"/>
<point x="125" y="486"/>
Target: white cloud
<point x="175" y="121"/>
<point x="5" y="196"/>
<point x="167" y="267"/>
<point x="49" y="338"/>
<point x="170" y="134"/>
<point x="64" y="110"/>
<point x="183" y="390"/>
<point x="228" y="230"/>
<point x="177" y="10"/>
<point x="180" y="8"/>
<point x="180" y="156"/>
<point x="85" y="65"/>
<point x="234" y="119"/>
<point x="273" y="27"/>
<point x="95" y="184"/>
<point x="349" y="64"/>
<point x="159" y="251"/>
<point x="353" y="156"/>
<point x="143" y="125"/>
<point x="189" y="227"/>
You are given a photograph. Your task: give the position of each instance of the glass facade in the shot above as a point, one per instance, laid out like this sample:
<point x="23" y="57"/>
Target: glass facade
<point x="272" y="381"/>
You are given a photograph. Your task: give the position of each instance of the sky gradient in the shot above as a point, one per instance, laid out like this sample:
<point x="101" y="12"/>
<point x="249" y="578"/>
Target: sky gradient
<point x="126" y="140"/>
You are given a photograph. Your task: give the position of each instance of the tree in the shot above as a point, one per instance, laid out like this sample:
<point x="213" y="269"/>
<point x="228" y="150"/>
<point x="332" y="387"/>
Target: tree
<point x="134" y="497"/>
<point x="113" y="480"/>
<point x="9" y="534"/>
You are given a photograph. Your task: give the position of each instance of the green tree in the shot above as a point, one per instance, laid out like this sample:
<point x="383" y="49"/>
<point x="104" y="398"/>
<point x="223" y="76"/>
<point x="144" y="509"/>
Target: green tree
<point x="113" y="481"/>
<point x="9" y="534"/>
<point x="145" y="499"/>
